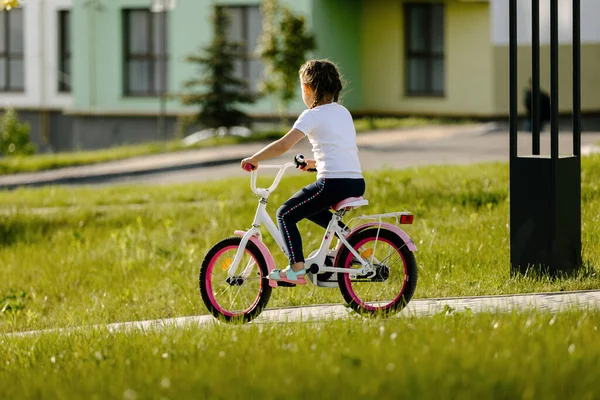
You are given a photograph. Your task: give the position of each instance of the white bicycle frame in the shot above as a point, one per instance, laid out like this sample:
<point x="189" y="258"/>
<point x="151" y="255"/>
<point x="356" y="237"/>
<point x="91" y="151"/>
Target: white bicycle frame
<point x="262" y="217"/>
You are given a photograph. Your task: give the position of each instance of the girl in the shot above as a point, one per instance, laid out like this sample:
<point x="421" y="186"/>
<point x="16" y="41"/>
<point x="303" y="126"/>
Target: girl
<point x="330" y="129"/>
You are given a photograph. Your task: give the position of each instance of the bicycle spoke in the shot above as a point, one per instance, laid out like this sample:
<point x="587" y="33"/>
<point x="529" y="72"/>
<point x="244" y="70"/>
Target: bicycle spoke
<point x="385" y="259"/>
<point x="398" y="259"/>
<point x="233" y="300"/>
<point x="226" y="289"/>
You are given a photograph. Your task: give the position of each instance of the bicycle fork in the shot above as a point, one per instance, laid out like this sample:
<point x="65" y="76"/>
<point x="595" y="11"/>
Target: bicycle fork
<point x="240" y="253"/>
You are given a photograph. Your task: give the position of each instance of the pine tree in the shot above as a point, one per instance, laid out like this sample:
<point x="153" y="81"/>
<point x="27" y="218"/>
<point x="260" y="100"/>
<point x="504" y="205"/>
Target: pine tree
<point x="222" y="90"/>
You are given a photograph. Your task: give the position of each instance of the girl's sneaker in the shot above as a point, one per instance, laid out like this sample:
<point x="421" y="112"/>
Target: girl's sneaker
<point x="291" y="276"/>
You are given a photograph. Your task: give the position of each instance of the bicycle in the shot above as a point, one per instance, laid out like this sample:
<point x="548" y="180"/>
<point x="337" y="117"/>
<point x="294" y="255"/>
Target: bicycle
<point x="350" y="265"/>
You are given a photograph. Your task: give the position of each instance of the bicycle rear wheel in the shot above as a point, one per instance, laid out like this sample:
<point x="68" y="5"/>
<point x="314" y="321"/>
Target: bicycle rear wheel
<point x="240" y="298"/>
<point x="395" y="280"/>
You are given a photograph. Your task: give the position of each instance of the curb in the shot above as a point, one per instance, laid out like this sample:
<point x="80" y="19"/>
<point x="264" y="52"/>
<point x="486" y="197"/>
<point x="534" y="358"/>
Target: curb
<point x="120" y="174"/>
<point x="372" y="139"/>
<point x="418" y="308"/>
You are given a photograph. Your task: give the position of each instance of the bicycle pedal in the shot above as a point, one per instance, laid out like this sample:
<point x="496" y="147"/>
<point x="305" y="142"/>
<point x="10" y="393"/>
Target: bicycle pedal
<point x="285" y="284"/>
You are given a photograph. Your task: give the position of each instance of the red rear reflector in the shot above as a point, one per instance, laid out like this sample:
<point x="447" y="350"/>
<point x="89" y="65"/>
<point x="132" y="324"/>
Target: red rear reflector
<point x="406" y="219"/>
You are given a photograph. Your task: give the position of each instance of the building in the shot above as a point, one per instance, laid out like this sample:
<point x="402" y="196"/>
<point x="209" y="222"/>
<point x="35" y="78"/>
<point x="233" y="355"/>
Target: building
<point x="35" y="65"/>
<point x="87" y="73"/>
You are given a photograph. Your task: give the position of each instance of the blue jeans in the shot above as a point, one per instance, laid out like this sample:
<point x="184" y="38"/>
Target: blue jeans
<point x="313" y="202"/>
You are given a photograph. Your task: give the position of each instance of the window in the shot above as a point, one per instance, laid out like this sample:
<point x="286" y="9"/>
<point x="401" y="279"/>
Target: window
<point x="12" y="46"/>
<point x="146" y="53"/>
<point x="64" y="51"/>
<point x="424" y="49"/>
<point x="245" y="27"/>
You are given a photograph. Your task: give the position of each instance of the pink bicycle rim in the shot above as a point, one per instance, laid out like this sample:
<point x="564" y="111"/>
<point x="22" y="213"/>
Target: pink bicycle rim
<point x="349" y="282"/>
<point x="211" y="295"/>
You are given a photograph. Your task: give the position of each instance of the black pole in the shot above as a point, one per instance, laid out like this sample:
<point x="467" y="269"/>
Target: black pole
<point x="554" y="116"/>
<point x="513" y="78"/>
<point x="535" y="76"/>
<point x="576" y="78"/>
<point x="577" y="126"/>
<point x="554" y="79"/>
<point x="545" y="201"/>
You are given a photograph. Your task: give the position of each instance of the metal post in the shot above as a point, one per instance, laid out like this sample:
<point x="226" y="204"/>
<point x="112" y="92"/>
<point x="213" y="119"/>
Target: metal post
<point x="554" y="114"/>
<point x="513" y="78"/>
<point x="577" y="78"/>
<point x="545" y="192"/>
<point x="554" y="78"/>
<point x="535" y="77"/>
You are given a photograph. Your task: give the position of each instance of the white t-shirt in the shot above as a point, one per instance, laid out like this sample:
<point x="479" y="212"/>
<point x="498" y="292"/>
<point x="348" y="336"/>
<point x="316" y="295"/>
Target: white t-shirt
<point x="330" y="130"/>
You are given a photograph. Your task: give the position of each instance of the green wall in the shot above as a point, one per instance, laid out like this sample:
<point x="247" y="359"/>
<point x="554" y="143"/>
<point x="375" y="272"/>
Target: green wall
<point x="337" y="25"/>
<point x="98" y="55"/>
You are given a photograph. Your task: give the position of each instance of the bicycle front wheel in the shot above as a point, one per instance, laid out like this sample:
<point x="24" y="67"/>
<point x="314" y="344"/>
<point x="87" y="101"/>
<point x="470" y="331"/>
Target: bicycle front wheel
<point x="234" y="298"/>
<point x="395" y="279"/>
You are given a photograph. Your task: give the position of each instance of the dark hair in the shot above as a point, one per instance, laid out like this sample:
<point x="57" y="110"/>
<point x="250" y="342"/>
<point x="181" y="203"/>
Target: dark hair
<point x="323" y="78"/>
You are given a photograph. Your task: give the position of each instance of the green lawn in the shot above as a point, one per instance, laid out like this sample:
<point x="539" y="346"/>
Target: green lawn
<point x="73" y="257"/>
<point x="81" y="256"/>
<point x="527" y="355"/>
<point x="11" y="165"/>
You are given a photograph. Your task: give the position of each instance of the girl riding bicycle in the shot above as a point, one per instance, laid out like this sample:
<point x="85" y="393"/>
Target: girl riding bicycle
<point x="330" y="129"/>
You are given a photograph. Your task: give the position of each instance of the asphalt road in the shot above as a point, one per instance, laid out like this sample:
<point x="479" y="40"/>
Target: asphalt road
<point x="395" y="152"/>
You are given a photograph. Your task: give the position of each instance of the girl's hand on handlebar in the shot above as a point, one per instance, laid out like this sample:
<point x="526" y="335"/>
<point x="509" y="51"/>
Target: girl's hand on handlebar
<point x="248" y="164"/>
<point x="310" y="166"/>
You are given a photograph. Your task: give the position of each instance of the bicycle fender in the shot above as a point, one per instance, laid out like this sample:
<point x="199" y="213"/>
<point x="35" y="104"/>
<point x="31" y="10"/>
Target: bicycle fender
<point x="265" y="253"/>
<point x="409" y="243"/>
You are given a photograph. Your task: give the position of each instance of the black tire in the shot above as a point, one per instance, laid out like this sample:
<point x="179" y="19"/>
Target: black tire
<point x="403" y="294"/>
<point x="207" y="290"/>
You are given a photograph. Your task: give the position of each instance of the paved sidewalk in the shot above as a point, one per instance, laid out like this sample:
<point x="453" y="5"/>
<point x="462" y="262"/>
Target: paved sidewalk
<point x="188" y="159"/>
<point x="552" y="302"/>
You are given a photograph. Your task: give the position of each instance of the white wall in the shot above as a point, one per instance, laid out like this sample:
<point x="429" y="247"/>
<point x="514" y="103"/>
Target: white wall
<point x="590" y="28"/>
<point x="41" y="58"/>
<point x="51" y="97"/>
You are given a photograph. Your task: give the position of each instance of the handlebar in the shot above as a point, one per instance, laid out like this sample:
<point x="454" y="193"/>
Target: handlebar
<point x="264" y="192"/>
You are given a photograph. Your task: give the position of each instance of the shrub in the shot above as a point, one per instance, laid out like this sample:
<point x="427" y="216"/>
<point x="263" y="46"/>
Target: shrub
<point x="14" y="136"/>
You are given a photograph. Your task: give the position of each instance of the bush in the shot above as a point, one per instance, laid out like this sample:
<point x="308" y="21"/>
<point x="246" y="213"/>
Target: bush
<point x="14" y="136"/>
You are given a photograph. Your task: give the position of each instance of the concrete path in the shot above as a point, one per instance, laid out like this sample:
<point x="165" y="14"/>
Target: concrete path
<point x="182" y="161"/>
<point x="394" y="148"/>
<point x="551" y="302"/>
<point x="397" y="150"/>
<point x="400" y="148"/>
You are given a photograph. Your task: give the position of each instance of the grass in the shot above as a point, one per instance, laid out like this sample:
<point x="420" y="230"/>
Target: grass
<point x="73" y="257"/>
<point x="81" y="256"/>
<point x="370" y="124"/>
<point x="528" y="355"/>
<point x="40" y="162"/>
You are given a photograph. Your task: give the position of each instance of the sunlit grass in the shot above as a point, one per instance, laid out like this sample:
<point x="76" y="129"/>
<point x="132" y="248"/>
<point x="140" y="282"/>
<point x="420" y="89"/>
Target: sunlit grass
<point x="368" y="124"/>
<point x="82" y="256"/>
<point x="524" y="355"/>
